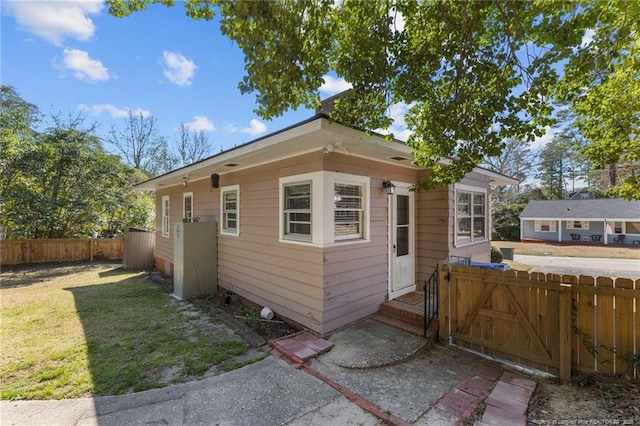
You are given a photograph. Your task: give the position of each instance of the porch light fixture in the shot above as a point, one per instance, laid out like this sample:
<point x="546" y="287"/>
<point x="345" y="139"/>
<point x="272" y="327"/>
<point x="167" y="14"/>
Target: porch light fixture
<point x="185" y="180"/>
<point x="389" y="187"/>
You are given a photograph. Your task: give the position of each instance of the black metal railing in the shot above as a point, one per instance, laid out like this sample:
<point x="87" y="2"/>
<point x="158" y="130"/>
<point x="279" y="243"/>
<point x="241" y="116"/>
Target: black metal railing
<point x="431" y="300"/>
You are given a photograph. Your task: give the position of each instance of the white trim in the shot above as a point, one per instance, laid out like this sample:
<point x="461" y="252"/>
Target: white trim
<point x="390" y="239"/>
<point x="165" y="228"/>
<point x="323" y="207"/>
<point x="230" y="231"/>
<point x="537" y="226"/>
<point x="471" y="189"/>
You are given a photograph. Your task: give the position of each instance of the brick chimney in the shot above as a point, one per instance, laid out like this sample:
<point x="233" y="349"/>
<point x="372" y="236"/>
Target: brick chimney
<point x="326" y="105"/>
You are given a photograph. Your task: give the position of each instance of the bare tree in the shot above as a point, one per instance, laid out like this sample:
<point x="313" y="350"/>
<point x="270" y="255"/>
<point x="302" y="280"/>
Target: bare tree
<point x="140" y="146"/>
<point x="192" y="146"/>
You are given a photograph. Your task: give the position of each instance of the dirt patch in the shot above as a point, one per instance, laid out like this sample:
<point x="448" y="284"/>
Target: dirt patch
<point x="589" y="398"/>
<point x="248" y="314"/>
<point x="611" y="251"/>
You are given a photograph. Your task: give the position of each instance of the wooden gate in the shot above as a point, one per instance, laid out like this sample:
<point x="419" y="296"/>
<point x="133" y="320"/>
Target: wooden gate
<point x="523" y="319"/>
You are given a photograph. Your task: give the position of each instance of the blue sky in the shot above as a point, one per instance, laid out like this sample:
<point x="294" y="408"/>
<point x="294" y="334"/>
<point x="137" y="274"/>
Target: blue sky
<point x="71" y="55"/>
<point x="66" y="56"/>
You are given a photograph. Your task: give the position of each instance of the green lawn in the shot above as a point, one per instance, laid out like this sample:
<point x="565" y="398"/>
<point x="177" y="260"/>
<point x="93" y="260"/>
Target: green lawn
<point x="103" y="331"/>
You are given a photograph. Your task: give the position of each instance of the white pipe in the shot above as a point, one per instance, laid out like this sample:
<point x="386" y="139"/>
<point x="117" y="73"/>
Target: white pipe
<point x="266" y="313"/>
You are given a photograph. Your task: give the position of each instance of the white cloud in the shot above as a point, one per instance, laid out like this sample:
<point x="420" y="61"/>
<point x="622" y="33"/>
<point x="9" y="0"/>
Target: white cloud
<point x="55" y="20"/>
<point x="540" y="142"/>
<point x="114" y="111"/>
<point x="397" y="20"/>
<point x="334" y="86"/>
<point x="200" y="123"/>
<point x="178" y="69"/>
<point x="255" y="128"/>
<point x="587" y="38"/>
<point x="83" y="66"/>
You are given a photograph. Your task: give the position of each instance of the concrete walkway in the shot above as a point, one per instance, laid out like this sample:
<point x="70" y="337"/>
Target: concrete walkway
<point x="269" y="392"/>
<point x="374" y="374"/>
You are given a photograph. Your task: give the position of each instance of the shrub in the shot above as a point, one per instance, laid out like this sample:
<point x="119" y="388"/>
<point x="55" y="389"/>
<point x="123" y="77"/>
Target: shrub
<point x="496" y="255"/>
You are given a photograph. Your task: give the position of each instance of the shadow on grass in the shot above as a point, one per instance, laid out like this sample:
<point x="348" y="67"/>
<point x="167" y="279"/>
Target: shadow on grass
<point x="138" y="338"/>
<point x="36" y="273"/>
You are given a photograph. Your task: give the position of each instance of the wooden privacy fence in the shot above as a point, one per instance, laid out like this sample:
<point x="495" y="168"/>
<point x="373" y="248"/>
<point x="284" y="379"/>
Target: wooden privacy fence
<point x="19" y="252"/>
<point x="549" y="322"/>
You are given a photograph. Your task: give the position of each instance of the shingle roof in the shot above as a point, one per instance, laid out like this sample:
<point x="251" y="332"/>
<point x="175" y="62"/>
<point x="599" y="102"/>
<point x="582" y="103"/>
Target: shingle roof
<point x="606" y="208"/>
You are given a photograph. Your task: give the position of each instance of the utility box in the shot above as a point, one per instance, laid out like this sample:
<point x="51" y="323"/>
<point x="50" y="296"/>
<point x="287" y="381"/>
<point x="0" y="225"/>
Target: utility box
<point x="507" y="253"/>
<point x="195" y="260"/>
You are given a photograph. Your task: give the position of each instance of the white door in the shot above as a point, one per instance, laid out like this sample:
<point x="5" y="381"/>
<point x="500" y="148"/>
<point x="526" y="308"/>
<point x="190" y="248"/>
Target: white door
<point x="401" y="242"/>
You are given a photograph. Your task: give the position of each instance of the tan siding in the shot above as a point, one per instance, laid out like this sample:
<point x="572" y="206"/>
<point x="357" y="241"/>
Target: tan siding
<point x="322" y="289"/>
<point x="432" y="231"/>
<point x="206" y="202"/>
<point x="356" y="275"/>
<point x="286" y="277"/>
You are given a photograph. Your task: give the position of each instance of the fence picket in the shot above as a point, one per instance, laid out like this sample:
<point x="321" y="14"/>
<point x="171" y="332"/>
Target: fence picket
<point x="20" y="252"/>
<point x="546" y="321"/>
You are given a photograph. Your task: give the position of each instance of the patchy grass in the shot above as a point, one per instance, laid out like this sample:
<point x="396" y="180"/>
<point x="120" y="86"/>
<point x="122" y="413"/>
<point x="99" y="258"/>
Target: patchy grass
<point x="611" y="251"/>
<point x="103" y="331"/>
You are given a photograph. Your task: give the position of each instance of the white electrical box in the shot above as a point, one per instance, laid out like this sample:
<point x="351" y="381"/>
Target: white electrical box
<point x="195" y="260"/>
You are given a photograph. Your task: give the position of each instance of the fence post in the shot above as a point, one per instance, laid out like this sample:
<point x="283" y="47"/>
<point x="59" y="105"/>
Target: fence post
<point x="564" y="321"/>
<point x="91" y="241"/>
<point x="27" y="256"/>
<point x="443" y="310"/>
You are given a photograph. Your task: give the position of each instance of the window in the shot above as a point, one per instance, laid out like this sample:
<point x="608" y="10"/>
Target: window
<point x="471" y="215"/>
<point x="324" y="208"/>
<point x="545" y="226"/>
<point x="166" y="216"/>
<point x="617" y="227"/>
<point x="348" y="211"/>
<point x="230" y="210"/>
<point x="633" y="227"/>
<point x="578" y="224"/>
<point x="297" y="211"/>
<point x="187" y="207"/>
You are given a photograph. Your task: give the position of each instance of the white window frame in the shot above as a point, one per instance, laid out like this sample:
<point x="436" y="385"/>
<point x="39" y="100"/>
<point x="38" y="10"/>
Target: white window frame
<point x="187" y="216"/>
<point x="224" y="229"/>
<point x="618" y="227"/>
<point x="581" y="224"/>
<point x="323" y="208"/>
<point x="538" y="224"/>
<point x="471" y="190"/>
<point x="166" y="216"/>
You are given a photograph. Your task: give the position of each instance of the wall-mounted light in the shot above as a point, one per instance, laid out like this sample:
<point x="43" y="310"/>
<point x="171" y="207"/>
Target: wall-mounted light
<point x="185" y="180"/>
<point x="389" y="187"/>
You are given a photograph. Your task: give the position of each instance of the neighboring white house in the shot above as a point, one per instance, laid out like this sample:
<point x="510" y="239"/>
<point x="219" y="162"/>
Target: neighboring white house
<point x="606" y="220"/>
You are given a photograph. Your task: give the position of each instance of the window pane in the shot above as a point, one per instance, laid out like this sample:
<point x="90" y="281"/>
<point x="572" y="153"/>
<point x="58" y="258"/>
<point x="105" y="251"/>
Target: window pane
<point x="464" y="227"/>
<point x="402" y="241"/>
<point x="347" y="196"/>
<point x="464" y="204"/>
<point x="478" y="227"/>
<point x="300" y="228"/>
<point x="402" y="209"/>
<point x="347" y="223"/>
<point x="297" y="197"/>
<point x="633" y="227"/>
<point x="478" y="204"/>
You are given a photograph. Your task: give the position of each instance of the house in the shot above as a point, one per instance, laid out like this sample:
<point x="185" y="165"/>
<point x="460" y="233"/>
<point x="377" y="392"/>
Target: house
<point x="318" y="221"/>
<point x="603" y="220"/>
